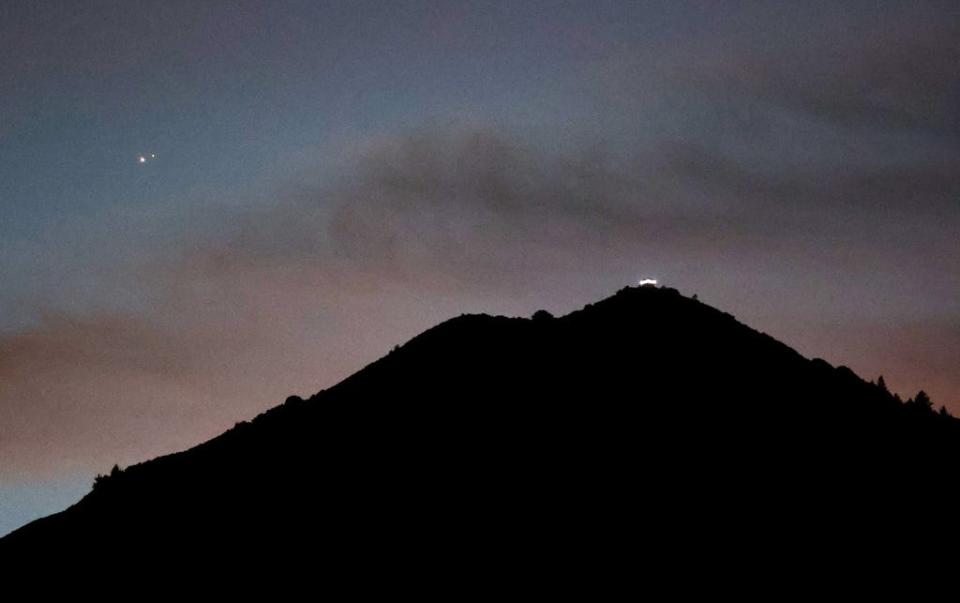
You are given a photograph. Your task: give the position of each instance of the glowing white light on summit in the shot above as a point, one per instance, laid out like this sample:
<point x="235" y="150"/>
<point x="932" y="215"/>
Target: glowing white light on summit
<point x="648" y="281"/>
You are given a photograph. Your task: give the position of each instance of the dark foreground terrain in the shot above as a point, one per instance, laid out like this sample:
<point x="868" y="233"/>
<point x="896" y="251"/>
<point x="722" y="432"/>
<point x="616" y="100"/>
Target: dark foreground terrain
<point x="645" y="430"/>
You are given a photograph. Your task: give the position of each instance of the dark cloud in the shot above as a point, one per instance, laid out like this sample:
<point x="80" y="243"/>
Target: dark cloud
<point x="886" y="65"/>
<point x="922" y="189"/>
<point x="437" y="200"/>
<point x="893" y="76"/>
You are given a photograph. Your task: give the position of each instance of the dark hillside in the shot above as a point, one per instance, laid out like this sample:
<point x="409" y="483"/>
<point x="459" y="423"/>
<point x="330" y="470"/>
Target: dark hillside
<point x="647" y="416"/>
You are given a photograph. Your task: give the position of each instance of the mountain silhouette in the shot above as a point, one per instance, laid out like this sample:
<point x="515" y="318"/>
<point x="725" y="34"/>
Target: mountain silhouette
<point x="558" y="447"/>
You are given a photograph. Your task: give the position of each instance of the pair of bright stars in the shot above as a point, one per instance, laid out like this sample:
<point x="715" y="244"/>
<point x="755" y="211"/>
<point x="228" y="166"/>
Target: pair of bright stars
<point x="146" y="158"/>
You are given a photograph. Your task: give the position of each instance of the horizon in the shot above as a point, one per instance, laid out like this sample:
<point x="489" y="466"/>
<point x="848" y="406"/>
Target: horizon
<point x="205" y="209"/>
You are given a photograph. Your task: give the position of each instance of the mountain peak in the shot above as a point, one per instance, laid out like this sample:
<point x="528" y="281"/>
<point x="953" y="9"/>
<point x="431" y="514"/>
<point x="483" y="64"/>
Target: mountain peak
<point x="484" y="427"/>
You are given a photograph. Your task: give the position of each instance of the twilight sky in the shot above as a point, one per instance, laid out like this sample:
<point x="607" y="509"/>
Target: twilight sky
<point x="331" y="178"/>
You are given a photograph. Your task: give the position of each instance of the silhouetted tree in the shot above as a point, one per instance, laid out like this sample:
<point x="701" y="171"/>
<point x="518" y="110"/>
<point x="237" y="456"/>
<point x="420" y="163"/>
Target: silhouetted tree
<point x="100" y="479"/>
<point x="542" y="315"/>
<point x="923" y="400"/>
<point x="882" y="384"/>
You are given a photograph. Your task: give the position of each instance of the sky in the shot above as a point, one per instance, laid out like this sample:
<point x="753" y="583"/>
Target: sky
<point x="324" y="180"/>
